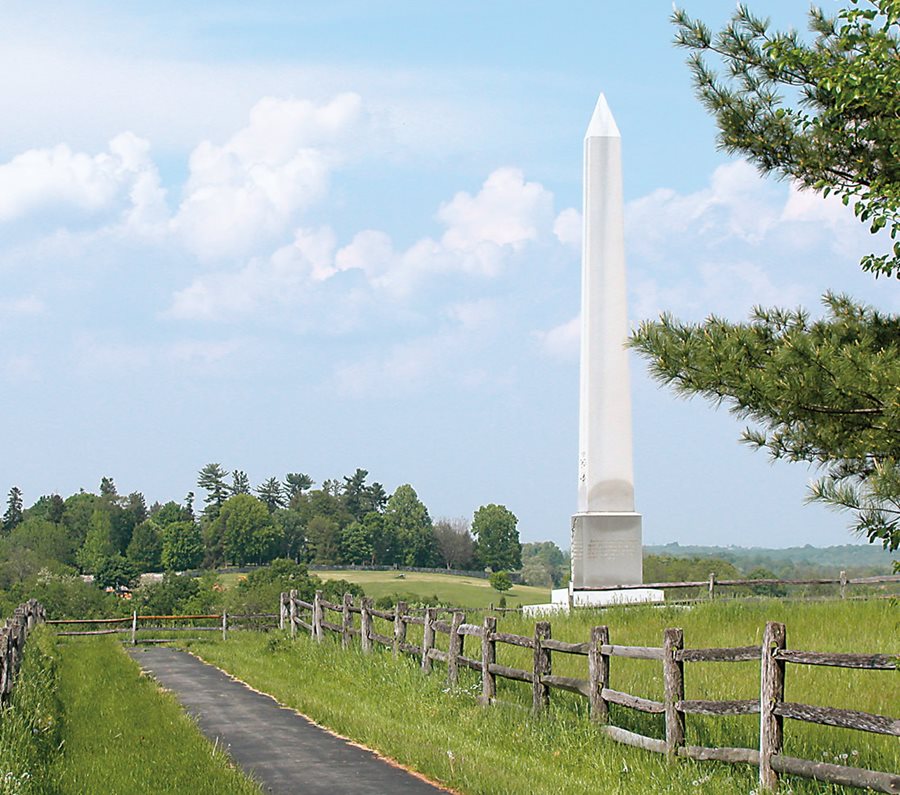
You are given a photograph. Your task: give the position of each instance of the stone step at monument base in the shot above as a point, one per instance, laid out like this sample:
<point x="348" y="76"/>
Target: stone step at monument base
<point x="561" y="602"/>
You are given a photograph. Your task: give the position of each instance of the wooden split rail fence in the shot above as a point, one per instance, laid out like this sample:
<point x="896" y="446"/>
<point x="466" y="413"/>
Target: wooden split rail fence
<point x="773" y="655"/>
<point x="132" y="625"/>
<point x="13" y="635"/>
<point x="712" y="583"/>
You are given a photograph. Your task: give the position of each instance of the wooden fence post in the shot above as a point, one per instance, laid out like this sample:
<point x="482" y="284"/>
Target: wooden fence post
<point x="712" y="585"/>
<point x="843" y="585"/>
<point x="224" y="624"/>
<point x="293" y="612"/>
<point x="488" y="658"/>
<point x="540" y="692"/>
<point x="346" y="620"/>
<point x="673" y="679"/>
<point x="455" y="649"/>
<point x="134" y="625"/>
<point x="4" y="663"/>
<point x="428" y="638"/>
<point x="598" y="673"/>
<point x="399" y="628"/>
<point x="19" y="640"/>
<point x="365" y="628"/>
<point x="316" y="631"/>
<point x="771" y="693"/>
<point x="282" y="610"/>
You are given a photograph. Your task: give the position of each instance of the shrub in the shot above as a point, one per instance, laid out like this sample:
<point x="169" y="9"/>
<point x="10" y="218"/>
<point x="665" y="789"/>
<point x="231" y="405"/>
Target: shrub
<point x="500" y="581"/>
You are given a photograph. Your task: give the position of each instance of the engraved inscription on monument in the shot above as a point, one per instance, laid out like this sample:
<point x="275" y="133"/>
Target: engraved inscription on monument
<point x="606" y="549"/>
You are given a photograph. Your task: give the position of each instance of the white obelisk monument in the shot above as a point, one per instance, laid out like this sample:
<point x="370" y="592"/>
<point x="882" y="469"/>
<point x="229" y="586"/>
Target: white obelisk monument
<point x="606" y="531"/>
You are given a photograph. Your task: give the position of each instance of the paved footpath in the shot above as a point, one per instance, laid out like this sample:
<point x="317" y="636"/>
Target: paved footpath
<point x="285" y="752"/>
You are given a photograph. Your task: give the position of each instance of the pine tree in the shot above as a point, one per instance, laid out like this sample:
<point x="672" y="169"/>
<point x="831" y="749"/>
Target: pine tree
<point x="827" y="114"/>
<point x="240" y="483"/>
<point x="14" y="510"/>
<point x="271" y="493"/>
<point x="212" y="480"/>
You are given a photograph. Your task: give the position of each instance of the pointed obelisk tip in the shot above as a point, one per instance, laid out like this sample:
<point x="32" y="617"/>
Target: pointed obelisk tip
<point x="602" y="125"/>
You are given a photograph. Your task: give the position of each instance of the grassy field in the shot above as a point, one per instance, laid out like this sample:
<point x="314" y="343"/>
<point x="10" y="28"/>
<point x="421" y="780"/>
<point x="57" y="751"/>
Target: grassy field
<point x="121" y="734"/>
<point x="417" y="720"/>
<point x="449" y="588"/>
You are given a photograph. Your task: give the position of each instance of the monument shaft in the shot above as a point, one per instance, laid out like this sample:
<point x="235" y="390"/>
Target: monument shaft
<point x="606" y="532"/>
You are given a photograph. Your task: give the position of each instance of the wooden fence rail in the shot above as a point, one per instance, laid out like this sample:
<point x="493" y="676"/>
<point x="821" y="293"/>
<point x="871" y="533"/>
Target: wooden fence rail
<point x="773" y="655"/>
<point x="224" y="623"/>
<point x="13" y="635"/>
<point x="712" y="583"/>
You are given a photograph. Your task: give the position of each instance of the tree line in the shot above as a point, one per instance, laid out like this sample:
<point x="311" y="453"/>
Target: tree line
<point x="115" y="537"/>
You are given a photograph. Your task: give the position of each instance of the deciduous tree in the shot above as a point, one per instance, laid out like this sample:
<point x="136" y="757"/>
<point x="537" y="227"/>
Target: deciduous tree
<point x="408" y="519"/>
<point x="98" y="544"/>
<point x="145" y="547"/>
<point x="497" y="540"/>
<point x="248" y="532"/>
<point x="455" y="544"/>
<point x="182" y="546"/>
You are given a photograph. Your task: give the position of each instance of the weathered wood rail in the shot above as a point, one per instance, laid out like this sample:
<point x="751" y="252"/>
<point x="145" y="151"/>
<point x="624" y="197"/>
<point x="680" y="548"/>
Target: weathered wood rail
<point x="13" y="635"/>
<point x="712" y="583"/>
<point x="773" y="656"/>
<point x="224" y="622"/>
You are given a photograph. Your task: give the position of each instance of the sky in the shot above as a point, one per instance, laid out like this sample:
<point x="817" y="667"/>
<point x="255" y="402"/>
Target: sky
<point x="309" y="237"/>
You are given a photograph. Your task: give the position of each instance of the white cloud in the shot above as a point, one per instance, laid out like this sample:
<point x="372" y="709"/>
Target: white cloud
<point x="507" y="211"/>
<point x="562" y="341"/>
<point x="59" y="179"/>
<point x="279" y="279"/>
<point x="254" y="187"/>
<point x="738" y="242"/>
<point x="567" y="227"/>
<point x="482" y="232"/>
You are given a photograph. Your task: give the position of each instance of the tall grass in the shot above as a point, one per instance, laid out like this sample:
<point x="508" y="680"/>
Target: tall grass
<point x="31" y="724"/>
<point x="123" y="735"/>
<point x="417" y="720"/>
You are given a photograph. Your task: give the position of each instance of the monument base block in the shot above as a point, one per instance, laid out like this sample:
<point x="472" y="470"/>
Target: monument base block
<point x="606" y="550"/>
<point x="562" y="600"/>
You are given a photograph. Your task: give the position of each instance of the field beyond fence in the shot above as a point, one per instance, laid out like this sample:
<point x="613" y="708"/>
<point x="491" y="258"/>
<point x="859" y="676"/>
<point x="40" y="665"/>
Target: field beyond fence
<point x="362" y="621"/>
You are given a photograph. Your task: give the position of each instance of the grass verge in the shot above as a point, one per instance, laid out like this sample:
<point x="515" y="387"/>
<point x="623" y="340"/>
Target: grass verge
<point x="392" y="707"/>
<point x="31" y="724"/>
<point x="122" y="734"/>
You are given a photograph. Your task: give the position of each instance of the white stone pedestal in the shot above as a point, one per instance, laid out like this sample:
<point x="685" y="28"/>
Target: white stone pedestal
<point x="606" y="550"/>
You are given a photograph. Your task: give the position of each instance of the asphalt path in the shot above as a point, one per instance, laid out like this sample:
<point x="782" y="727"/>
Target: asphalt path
<point x="284" y="751"/>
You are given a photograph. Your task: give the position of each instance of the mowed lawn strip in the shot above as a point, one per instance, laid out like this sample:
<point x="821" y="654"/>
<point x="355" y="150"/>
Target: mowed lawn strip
<point x="452" y="589"/>
<point x="392" y="707"/>
<point x="122" y="734"/>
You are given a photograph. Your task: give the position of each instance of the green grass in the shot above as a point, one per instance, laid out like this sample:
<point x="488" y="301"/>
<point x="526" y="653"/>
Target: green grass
<point x="415" y="719"/>
<point x="121" y="734"/>
<point x="31" y="724"/>
<point x="450" y="589"/>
